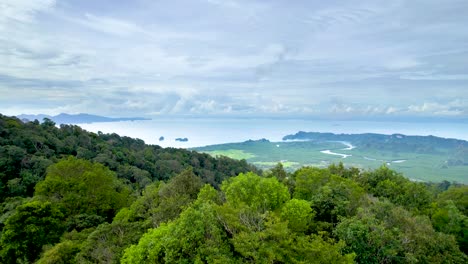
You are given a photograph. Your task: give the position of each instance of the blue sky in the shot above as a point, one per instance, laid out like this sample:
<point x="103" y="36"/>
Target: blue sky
<point x="332" y="59"/>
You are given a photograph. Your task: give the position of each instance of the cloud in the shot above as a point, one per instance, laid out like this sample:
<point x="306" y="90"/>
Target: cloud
<point x="402" y="63"/>
<point x="224" y="3"/>
<point x="110" y="25"/>
<point x="436" y="77"/>
<point x="452" y="108"/>
<point x="22" y="11"/>
<point x="309" y="58"/>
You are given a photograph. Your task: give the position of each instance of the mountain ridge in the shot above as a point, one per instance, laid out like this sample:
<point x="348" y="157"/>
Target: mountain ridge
<point x="81" y="118"/>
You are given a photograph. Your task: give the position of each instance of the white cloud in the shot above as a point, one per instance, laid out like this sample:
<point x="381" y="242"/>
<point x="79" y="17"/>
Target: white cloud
<point x="110" y="25"/>
<point x="235" y="57"/>
<point x="21" y="11"/>
<point x="224" y="3"/>
<point x="402" y="63"/>
<point x="453" y="108"/>
<point x="392" y="110"/>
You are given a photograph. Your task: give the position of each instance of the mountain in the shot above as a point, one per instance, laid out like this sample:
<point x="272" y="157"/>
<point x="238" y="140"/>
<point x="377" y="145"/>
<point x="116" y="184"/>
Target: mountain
<point x="78" y="118"/>
<point x="399" y="142"/>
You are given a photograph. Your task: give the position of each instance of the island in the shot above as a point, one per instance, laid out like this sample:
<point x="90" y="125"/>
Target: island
<point x="182" y="139"/>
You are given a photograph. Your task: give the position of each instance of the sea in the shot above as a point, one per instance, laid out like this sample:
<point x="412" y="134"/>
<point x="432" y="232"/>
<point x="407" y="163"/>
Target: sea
<point x="211" y="131"/>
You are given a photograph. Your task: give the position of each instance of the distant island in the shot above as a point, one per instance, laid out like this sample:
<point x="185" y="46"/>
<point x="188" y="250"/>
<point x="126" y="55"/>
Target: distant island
<point x="77" y="119"/>
<point x="161" y="138"/>
<point x="182" y="139"/>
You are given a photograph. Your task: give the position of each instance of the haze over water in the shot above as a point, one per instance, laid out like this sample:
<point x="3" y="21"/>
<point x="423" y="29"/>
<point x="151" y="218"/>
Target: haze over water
<point x="201" y="132"/>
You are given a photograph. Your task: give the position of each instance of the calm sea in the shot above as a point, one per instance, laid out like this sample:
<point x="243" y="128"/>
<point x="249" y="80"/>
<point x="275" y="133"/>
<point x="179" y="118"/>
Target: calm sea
<point x="202" y="132"/>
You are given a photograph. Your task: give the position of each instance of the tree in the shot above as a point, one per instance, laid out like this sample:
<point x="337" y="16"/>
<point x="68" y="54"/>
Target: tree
<point x="308" y="181"/>
<point x="33" y="225"/>
<point x="257" y="192"/>
<point x="82" y="187"/>
<point x="459" y="195"/>
<point x="449" y="220"/>
<point x="174" y="196"/>
<point x="331" y="196"/>
<point x="298" y="214"/>
<point x="385" y="233"/>
<point x="279" y="172"/>
<point x="195" y="237"/>
<point x="342" y="171"/>
<point x="276" y="244"/>
<point x="61" y="253"/>
<point x="106" y="244"/>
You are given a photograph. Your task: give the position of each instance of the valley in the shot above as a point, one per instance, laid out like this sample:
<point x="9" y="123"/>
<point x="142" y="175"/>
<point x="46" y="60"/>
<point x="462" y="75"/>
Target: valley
<point x="421" y="158"/>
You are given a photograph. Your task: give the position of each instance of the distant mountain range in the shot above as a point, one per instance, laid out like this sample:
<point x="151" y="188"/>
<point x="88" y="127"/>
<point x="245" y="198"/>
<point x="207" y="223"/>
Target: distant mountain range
<point x="396" y="141"/>
<point x="78" y="118"/>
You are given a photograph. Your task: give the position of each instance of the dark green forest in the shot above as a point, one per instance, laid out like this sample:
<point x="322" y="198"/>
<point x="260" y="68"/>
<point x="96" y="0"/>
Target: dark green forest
<point x="71" y="196"/>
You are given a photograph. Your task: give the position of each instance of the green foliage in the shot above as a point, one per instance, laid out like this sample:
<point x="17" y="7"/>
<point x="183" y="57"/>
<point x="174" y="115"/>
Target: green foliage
<point x="139" y="177"/>
<point x="27" y="149"/>
<point x="8" y="207"/>
<point x="276" y="244"/>
<point x="331" y="196"/>
<point x="82" y="187"/>
<point x="384" y="233"/>
<point x="33" y="225"/>
<point x="308" y="181"/>
<point x="342" y="171"/>
<point x="298" y="214"/>
<point x="257" y="192"/>
<point x="208" y="194"/>
<point x="61" y="253"/>
<point x="84" y="221"/>
<point x="459" y="196"/>
<point x="107" y="243"/>
<point x="174" y="196"/>
<point x="195" y="237"/>
<point x="185" y="183"/>
<point x="159" y="203"/>
<point x="238" y="232"/>
<point x="370" y="179"/>
<point x="278" y="172"/>
<point x="102" y="198"/>
<point x="449" y="220"/>
<point x="65" y="251"/>
<point x="385" y="182"/>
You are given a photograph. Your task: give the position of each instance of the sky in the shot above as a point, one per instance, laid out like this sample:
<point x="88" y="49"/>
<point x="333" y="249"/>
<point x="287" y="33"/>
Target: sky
<point x="232" y="58"/>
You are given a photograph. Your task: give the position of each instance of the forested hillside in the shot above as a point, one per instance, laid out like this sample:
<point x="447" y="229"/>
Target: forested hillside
<point x="70" y="196"/>
<point x="27" y="149"/>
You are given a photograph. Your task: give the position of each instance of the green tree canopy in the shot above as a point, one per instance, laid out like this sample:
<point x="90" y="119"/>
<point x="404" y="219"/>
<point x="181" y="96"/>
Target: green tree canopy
<point x="298" y="213"/>
<point x="83" y="187"/>
<point x="255" y="191"/>
<point x="33" y="225"/>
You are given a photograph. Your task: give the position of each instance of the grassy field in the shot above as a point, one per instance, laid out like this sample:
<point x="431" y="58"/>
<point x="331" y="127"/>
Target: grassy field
<point x="293" y="155"/>
<point x="232" y="153"/>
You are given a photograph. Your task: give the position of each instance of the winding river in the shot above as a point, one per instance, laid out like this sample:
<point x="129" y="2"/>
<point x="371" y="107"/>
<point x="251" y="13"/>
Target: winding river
<point x="350" y="146"/>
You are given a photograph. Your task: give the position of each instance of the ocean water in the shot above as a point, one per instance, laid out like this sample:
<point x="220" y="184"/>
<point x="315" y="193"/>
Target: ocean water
<point x="202" y="132"/>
